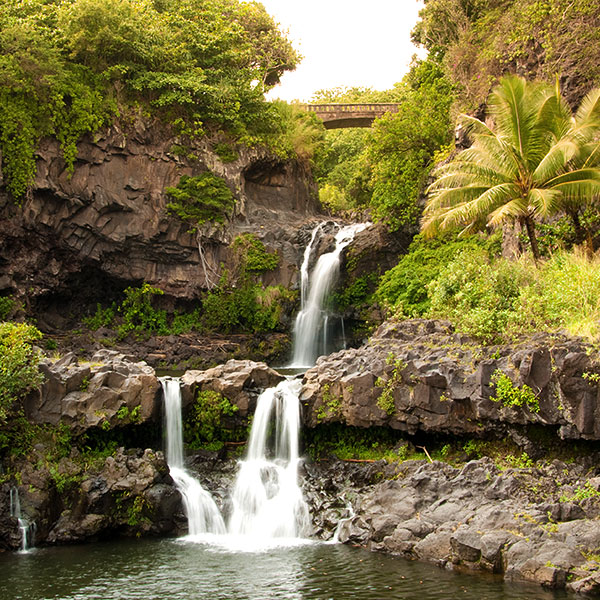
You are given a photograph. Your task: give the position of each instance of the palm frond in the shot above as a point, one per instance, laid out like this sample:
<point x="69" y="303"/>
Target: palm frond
<point x="555" y="161"/>
<point x="544" y="201"/>
<point x="589" y="109"/>
<point x="508" y="212"/>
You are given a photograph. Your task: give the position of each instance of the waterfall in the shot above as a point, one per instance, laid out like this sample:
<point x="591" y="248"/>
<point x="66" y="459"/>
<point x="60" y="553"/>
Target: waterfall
<point x="200" y="508"/>
<point x="267" y="501"/>
<point x="27" y="529"/>
<point x="311" y="336"/>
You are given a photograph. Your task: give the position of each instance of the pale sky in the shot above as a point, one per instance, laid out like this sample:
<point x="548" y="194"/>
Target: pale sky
<point x="345" y="43"/>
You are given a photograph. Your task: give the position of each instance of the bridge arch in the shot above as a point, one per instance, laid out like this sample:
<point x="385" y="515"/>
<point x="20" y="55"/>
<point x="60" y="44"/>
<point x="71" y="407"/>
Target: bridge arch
<point x="338" y="116"/>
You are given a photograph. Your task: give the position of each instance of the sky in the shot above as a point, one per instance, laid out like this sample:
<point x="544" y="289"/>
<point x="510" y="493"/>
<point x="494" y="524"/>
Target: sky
<point x="345" y="43"/>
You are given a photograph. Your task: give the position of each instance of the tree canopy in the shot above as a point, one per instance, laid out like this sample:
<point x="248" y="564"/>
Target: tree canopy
<point x="69" y="66"/>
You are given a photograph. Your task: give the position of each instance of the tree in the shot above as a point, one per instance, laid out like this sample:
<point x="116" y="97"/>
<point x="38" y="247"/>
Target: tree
<point x="533" y="161"/>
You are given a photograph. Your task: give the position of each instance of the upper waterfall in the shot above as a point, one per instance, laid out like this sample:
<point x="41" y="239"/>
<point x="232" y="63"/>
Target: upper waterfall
<point x="312" y="330"/>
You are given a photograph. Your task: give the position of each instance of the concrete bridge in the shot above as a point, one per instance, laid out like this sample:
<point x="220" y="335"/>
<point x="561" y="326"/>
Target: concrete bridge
<point x="338" y="116"/>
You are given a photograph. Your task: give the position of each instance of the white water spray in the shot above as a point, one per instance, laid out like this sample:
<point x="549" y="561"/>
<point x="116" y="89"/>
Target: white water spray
<point x="27" y="529"/>
<point x="267" y="501"/>
<point x="311" y="336"/>
<point x="200" y="508"/>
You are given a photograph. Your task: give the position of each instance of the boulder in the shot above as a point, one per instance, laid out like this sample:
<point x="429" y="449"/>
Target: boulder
<point x="240" y="381"/>
<point x="109" y="389"/>
<point x="420" y="376"/>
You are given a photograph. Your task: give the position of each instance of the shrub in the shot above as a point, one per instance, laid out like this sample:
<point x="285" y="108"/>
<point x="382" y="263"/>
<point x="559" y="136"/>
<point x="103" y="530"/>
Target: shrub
<point x="404" y="287"/>
<point x="205" y="422"/>
<point x="512" y="395"/>
<point x="199" y="199"/>
<point x="479" y="297"/>
<point x="139" y="316"/>
<point x="252" y="254"/>
<point x="19" y="371"/>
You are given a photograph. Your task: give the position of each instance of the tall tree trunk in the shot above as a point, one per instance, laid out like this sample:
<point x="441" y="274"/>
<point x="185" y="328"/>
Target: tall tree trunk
<point x="530" y="226"/>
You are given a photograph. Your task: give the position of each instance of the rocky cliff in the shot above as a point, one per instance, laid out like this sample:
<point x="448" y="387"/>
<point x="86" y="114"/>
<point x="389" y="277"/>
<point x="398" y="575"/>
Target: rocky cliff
<point x="79" y="236"/>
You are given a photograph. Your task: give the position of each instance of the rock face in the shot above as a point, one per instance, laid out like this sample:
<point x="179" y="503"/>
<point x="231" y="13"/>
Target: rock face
<point x="240" y="381"/>
<point x="418" y="376"/>
<point x="107" y="223"/>
<point x="108" y="391"/>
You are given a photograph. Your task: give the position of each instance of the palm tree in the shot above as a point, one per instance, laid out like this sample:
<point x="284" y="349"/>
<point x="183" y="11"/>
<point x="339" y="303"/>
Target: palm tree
<point x="535" y="160"/>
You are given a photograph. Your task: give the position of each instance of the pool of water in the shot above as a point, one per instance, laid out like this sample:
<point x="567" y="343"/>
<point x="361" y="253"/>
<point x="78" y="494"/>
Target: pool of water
<point x="180" y="569"/>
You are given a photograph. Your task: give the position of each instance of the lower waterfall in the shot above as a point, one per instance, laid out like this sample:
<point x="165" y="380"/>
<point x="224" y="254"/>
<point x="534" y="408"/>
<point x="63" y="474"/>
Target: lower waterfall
<point x="200" y="508"/>
<point x="267" y="501"/>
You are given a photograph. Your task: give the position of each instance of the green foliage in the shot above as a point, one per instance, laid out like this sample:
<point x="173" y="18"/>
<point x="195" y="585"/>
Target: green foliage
<point x="226" y="152"/>
<point x="7" y="305"/>
<point x="404" y="144"/>
<point x="201" y="199"/>
<point x="205" y="422"/>
<point x="494" y="299"/>
<point x="566" y="294"/>
<point x="246" y="307"/>
<point x="534" y="161"/>
<point x="331" y="405"/>
<point x="519" y="462"/>
<point x="139" y="316"/>
<point x="386" y="400"/>
<point x="404" y="287"/>
<point x="480" y="41"/>
<point x="127" y="415"/>
<point x="481" y="299"/>
<point x="581" y="493"/>
<point x="69" y="67"/>
<point x="355" y="443"/>
<point x="510" y="395"/>
<point x="252" y="254"/>
<point x="385" y="168"/>
<point x="103" y="317"/>
<point x="357" y="292"/>
<point x="19" y="371"/>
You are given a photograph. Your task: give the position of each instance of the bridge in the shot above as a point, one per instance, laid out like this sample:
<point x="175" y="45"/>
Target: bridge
<point x="338" y="116"/>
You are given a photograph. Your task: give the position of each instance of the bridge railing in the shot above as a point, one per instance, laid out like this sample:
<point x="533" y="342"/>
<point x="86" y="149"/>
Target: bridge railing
<point x="374" y="107"/>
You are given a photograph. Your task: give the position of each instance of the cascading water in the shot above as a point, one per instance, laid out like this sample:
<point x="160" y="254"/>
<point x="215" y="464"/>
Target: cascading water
<point x="200" y="508"/>
<point x="267" y="501"/>
<point x="26" y="528"/>
<point x="311" y="330"/>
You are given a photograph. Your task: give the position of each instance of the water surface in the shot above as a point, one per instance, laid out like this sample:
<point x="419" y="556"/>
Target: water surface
<point x="176" y="569"/>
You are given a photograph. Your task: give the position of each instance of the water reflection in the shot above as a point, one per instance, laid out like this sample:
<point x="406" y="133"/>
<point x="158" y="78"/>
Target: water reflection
<point x="185" y="570"/>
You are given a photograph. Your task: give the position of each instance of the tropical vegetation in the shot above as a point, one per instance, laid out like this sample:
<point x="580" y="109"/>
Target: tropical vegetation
<point x="68" y="67"/>
<point x="533" y="161"/>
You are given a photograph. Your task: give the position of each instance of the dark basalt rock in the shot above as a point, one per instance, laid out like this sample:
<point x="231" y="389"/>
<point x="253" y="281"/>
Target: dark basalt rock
<point x="441" y="382"/>
<point x="105" y="389"/>
<point x="474" y="517"/>
<point x="107" y="222"/>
